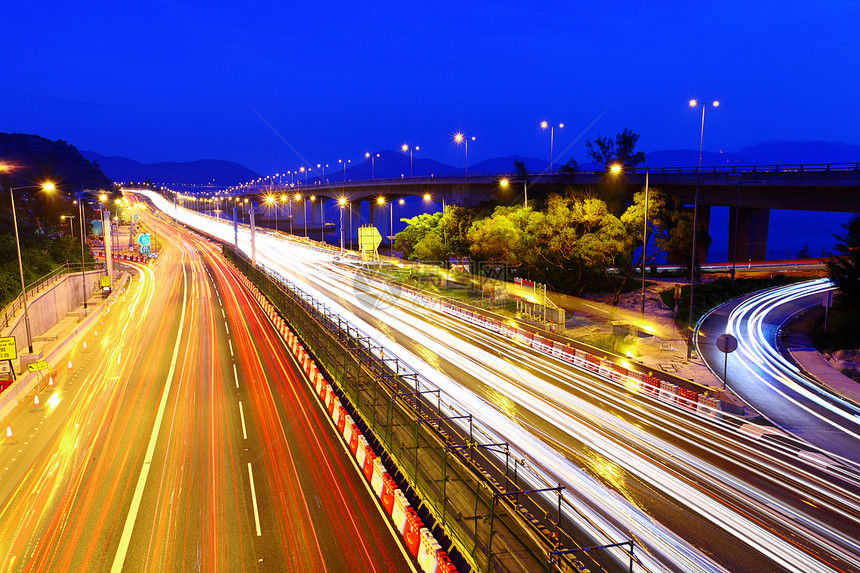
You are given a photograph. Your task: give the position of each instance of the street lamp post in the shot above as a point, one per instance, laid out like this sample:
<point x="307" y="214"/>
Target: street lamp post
<point x="405" y="147"/>
<point x="342" y="202"/>
<point x="460" y="138"/>
<point x="71" y="219"/>
<point x="46" y="187"/>
<point x="372" y="156"/>
<point x="694" y="103"/>
<point x="551" y="127"/>
<point x="83" y="274"/>
<point x="645" y="239"/>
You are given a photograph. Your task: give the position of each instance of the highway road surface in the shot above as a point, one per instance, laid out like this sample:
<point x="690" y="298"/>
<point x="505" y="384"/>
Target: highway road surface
<point x="696" y="493"/>
<point x="184" y="438"/>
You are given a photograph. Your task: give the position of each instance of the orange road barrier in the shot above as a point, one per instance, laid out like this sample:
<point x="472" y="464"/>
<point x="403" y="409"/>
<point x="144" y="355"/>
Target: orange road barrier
<point x="369" y="457"/>
<point x="412" y="531"/>
<point x="387" y="495"/>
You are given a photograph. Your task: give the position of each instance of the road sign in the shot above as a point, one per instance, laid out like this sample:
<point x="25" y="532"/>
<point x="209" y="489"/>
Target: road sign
<point x="144" y="249"/>
<point x="105" y="282"/>
<point x="727" y="343"/>
<point x="7" y="348"/>
<point x="36" y="366"/>
<point x="143" y="239"/>
<point x="368" y="239"/>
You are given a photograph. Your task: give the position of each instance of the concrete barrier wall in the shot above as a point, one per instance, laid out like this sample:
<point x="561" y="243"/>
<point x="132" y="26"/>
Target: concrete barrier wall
<point x="12" y="395"/>
<point x="47" y="308"/>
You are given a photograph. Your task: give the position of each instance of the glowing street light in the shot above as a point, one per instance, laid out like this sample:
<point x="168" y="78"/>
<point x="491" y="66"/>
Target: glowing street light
<point x="372" y="157"/>
<point x="405" y="147"/>
<point x="460" y="138"/>
<point x="47" y="186"/>
<point x="694" y="103"/>
<point x="551" y="127"/>
<point x="342" y="203"/>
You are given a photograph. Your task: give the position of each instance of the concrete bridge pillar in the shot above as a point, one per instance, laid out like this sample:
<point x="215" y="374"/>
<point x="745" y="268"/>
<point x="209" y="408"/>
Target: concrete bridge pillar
<point x="751" y="233"/>
<point x="704" y="225"/>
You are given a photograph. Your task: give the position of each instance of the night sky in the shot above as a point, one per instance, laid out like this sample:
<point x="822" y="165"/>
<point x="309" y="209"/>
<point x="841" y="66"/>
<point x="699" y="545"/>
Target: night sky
<point x="275" y="85"/>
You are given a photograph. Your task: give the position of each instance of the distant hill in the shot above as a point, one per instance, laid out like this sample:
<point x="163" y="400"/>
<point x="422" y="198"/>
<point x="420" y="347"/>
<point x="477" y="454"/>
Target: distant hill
<point x="37" y="159"/>
<point x="506" y="164"/>
<point x="201" y="172"/>
<point x="690" y="158"/>
<point x="780" y="152"/>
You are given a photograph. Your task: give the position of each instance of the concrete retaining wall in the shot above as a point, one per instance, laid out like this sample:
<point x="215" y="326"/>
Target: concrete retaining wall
<point x="49" y="307"/>
<point x="26" y="381"/>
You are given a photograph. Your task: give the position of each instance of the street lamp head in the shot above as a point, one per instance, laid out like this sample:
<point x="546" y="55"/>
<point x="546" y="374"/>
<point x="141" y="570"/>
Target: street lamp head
<point x="48" y="186"/>
<point x="693" y="103"/>
<point x="716" y="104"/>
<point x="402" y="201"/>
<point x="615" y="168"/>
<point x="504" y="182"/>
<point x="313" y="197"/>
<point x="458" y="137"/>
<point x="404" y="147"/>
<point x="367" y="154"/>
<point x="380" y="200"/>
<point x="270" y="199"/>
<point x="427" y="196"/>
<point x="298" y="197"/>
<point x="544" y="125"/>
<point x="342" y="201"/>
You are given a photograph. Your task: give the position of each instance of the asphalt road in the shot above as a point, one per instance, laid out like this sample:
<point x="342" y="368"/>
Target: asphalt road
<point x="760" y="374"/>
<point x="697" y="494"/>
<point x="185" y="438"/>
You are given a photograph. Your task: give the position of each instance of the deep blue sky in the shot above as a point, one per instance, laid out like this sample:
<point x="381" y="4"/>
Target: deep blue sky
<point x="277" y="84"/>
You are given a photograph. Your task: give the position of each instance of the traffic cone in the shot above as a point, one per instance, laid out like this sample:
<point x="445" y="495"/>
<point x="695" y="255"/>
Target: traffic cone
<point x="36" y="401"/>
<point x="85" y="344"/>
<point x="8" y="432"/>
<point x="50" y="380"/>
<point x="70" y="364"/>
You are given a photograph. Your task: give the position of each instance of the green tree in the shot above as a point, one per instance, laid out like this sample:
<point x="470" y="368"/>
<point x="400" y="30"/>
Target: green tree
<point x="844" y="268"/>
<point x="605" y="151"/>
<point x="417" y="228"/>
<point x="454" y="225"/>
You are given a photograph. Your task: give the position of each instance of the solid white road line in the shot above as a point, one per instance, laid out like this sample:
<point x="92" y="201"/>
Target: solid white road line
<point x="254" y="499"/>
<point x="242" y="415"/>
<point x="124" y="540"/>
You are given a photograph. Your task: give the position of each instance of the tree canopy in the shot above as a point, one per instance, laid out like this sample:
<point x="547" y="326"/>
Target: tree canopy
<point x="844" y="269"/>
<point x="605" y="151"/>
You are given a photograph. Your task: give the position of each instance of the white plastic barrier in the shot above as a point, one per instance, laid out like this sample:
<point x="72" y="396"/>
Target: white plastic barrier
<point x="347" y="429"/>
<point x="335" y="411"/>
<point x="359" y="452"/>
<point x="376" y="481"/>
<point x="427" y="552"/>
<point x="398" y="512"/>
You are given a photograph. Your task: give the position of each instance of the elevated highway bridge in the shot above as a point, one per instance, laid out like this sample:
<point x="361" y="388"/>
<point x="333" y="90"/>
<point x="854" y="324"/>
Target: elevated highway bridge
<point x="749" y="191"/>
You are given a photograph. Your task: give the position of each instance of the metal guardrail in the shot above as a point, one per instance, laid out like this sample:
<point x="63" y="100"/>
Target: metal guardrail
<point x="559" y="173"/>
<point x="42" y="284"/>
